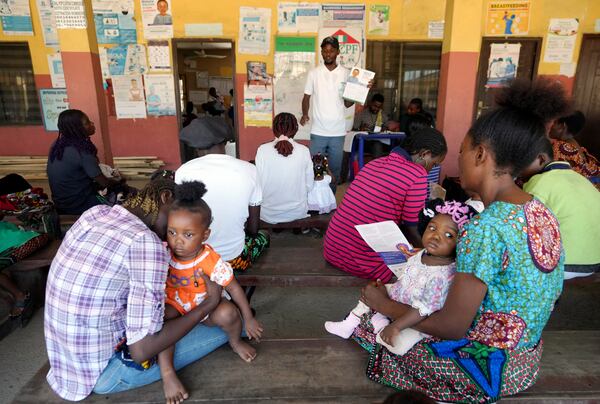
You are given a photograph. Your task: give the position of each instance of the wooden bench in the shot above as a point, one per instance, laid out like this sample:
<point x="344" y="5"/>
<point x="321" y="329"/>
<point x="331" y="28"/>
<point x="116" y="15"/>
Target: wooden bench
<point x="325" y="370"/>
<point x="316" y="221"/>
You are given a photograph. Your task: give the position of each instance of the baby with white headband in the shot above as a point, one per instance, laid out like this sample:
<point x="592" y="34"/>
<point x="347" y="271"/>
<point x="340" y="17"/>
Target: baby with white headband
<point x="422" y="282"/>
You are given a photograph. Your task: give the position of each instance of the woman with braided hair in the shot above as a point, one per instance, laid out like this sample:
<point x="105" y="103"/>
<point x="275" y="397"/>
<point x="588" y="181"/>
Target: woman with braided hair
<point x="73" y="170"/>
<point x="105" y="300"/>
<point x="285" y="173"/>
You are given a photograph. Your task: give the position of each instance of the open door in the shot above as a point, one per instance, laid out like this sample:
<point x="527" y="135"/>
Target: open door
<point x="527" y="67"/>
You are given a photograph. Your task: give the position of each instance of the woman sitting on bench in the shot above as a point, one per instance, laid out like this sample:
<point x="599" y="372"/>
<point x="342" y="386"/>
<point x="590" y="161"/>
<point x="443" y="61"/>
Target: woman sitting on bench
<point x="509" y="270"/>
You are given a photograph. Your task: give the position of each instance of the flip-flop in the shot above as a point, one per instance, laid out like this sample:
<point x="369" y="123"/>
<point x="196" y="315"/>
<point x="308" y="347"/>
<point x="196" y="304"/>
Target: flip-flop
<point x="23" y="304"/>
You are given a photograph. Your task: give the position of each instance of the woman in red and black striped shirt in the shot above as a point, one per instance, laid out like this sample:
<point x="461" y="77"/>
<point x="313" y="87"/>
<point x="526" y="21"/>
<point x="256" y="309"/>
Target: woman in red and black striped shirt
<point x="388" y="188"/>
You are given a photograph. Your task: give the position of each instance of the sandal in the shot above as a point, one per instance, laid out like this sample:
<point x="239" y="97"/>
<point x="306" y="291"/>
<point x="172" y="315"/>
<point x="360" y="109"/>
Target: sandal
<point x="23" y="304"/>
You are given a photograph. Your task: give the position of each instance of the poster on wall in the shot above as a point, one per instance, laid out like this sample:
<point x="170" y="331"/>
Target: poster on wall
<point x="507" y="18"/>
<point x="256" y="73"/>
<point x="158" y="56"/>
<point x="129" y="96"/>
<point x="115" y="22"/>
<point x="343" y="15"/>
<point x="103" y="55"/>
<point x="56" y="70"/>
<point x="15" y="16"/>
<point x="297" y="17"/>
<point x="198" y="96"/>
<point x="54" y="101"/>
<point x="69" y="14"/>
<point x="294" y="58"/>
<point x="351" y="41"/>
<point x="258" y="106"/>
<point x="435" y="30"/>
<point x="126" y="59"/>
<point x="255" y="31"/>
<point x="379" y="19"/>
<point x="160" y="94"/>
<point x="157" y="19"/>
<point x="560" y="41"/>
<point x="48" y="23"/>
<point x="502" y="64"/>
<point x="202" y="79"/>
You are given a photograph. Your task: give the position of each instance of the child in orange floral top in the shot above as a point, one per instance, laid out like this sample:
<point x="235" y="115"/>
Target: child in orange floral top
<point x="187" y="230"/>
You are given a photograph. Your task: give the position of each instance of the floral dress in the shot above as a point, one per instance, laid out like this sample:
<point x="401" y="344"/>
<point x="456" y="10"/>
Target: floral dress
<point x="578" y="157"/>
<point x="516" y="251"/>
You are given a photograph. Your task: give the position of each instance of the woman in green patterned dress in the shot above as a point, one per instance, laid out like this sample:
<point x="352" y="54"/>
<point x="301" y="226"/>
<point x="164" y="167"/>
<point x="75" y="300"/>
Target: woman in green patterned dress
<point x="486" y="341"/>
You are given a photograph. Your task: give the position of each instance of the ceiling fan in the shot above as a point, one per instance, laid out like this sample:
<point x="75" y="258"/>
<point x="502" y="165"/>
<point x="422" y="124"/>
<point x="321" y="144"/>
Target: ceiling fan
<point x="202" y="54"/>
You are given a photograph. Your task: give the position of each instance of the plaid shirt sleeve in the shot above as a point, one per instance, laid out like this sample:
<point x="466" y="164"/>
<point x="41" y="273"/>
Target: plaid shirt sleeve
<point x="148" y="266"/>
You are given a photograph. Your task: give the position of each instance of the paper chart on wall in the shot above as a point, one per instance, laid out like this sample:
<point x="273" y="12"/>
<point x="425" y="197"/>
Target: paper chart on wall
<point x="114" y="21"/>
<point x="102" y="53"/>
<point x="502" y="64"/>
<point x="343" y="15"/>
<point x="258" y="106"/>
<point x="379" y="19"/>
<point x="126" y="59"/>
<point x="159" y="58"/>
<point x="129" y="96"/>
<point x="255" y="31"/>
<point x="48" y="22"/>
<point x="560" y="42"/>
<point x="54" y="101"/>
<point x="15" y="16"/>
<point x="69" y="14"/>
<point x="160" y="94"/>
<point x="298" y="17"/>
<point x="294" y="58"/>
<point x="157" y="19"/>
<point x="202" y="79"/>
<point x="435" y="30"/>
<point x="56" y="70"/>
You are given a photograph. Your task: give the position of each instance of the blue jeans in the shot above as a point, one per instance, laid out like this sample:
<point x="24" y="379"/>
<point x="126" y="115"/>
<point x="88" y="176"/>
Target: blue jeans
<point x="199" y="342"/>
<point x="333" y="147"/>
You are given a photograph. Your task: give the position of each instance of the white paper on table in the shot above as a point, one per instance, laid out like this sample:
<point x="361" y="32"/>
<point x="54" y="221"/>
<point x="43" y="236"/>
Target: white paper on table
<point x="356" y="87"/>
<point x="386" y="239"/>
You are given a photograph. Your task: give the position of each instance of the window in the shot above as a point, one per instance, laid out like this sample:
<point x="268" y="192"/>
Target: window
<point x="19" y="103"/>
<point x="405" y="71"/>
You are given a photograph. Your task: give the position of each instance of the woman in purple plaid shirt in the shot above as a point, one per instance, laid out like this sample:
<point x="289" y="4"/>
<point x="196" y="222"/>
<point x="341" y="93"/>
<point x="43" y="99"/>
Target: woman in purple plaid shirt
<point x="105" y="301"/>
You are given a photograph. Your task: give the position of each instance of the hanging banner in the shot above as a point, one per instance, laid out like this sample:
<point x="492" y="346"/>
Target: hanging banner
<point x="54" y="101"/>
<point x="69" y="14"/>
<point x="15" y="16"/>
<point x="160" y="94"/>
<point x="157" y="19"/>
<point x="158" y="56"/>
<point x="294" y="58"/>
<point x="343" y="15"/>
<point x="114" y="21"/>
<point x="255" y="31"/>
<point x="129" y="96"/>
<point x="56" y="70"/>
<point x="258" y="106"/>
<point x="126" y="59"/>
<point x="503" y="64"/>
<point x="507" y="18"/>
<point x="560" y="42"/>
<point x="298" y="17"/>
<point x="48" y="23"/>
<point x="379" y="19"/>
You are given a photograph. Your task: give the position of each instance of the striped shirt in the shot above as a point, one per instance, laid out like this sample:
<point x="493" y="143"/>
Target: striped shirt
<point x="106" y="282"/>
<point x="387" y="188"/>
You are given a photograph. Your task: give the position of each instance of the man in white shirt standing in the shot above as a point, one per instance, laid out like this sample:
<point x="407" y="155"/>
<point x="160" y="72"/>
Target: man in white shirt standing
<point x="233" y="194"/>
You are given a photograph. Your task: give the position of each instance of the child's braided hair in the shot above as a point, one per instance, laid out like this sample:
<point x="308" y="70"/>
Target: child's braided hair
<point x="148" y="199"/>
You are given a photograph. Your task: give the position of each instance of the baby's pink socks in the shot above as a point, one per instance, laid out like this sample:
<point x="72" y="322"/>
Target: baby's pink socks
<point x="343" y="328"/>
<point x="379" y="321"/>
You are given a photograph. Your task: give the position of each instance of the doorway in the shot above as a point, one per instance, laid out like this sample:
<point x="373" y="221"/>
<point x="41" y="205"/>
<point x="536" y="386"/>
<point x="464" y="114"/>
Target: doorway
<point x="529" y="55"/>
<point x="199" y="66"/>
<point x="587" y="92"/>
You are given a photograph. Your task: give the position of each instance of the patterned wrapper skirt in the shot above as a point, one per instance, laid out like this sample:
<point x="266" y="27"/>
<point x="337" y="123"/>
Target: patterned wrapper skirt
<point x="462" y="371"/>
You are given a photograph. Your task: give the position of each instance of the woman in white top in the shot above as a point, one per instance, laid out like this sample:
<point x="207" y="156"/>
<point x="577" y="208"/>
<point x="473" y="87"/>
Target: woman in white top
<point x="285" y="172"/>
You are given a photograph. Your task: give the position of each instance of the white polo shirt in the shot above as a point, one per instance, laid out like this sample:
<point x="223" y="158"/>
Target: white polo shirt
<point x="326" y="88"/>
<point x="285" y="182"/>
<point x="231" y="186"/>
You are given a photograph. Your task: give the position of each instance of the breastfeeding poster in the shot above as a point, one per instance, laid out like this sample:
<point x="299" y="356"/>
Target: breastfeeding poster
<point x="129" y="96"/>
<point x="157" y="19"/>
<point x="160" y="94"/>
<point x="114" y="20"/>
<point x="506" y="18"/>
<point x="15" y="16"/>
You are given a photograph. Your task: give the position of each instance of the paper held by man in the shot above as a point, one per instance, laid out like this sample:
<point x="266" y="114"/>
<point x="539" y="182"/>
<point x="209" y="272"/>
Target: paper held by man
<point x="356" y="88"/>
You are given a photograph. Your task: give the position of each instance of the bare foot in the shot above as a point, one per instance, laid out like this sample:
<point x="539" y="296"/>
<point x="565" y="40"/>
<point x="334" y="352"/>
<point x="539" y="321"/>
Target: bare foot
<point x="244" y="350"/>
<point x="174" y="391"/>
